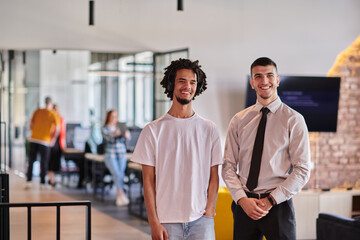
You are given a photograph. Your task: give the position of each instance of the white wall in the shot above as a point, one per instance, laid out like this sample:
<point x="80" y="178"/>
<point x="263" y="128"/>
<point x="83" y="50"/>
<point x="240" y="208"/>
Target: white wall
<point x="303" y="37"/>
<point x="63" y="76"/>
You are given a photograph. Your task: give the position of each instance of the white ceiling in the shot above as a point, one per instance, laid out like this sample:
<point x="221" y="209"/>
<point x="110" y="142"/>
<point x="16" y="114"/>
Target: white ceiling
<point x="120" y="25"/>
<point x="303" y="37"/>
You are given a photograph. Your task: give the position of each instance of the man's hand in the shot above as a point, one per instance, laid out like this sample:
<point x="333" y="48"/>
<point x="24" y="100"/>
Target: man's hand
<point x="158" y="232"/>
<point x="209" y="212"/>
<point x="266" y="205"/>
<point x="253" y="207"/>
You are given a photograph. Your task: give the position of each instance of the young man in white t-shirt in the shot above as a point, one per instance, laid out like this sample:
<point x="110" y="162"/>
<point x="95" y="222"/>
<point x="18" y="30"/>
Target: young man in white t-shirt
<point x="180" y="153"/>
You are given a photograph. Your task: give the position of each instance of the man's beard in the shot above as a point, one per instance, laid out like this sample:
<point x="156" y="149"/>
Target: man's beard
<point x="182" y="101"/>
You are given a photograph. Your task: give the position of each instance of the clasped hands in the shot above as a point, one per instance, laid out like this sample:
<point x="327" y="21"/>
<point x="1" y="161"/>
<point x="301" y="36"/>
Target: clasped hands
<point x="255" y="208"/>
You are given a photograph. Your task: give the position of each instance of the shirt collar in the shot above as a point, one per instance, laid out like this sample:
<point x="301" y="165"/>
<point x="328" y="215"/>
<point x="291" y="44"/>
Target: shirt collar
<point x="273" y="107"/>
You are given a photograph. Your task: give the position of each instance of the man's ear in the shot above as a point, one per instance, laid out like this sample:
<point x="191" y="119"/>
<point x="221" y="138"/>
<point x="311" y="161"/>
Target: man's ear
<point x="251" y="83"/>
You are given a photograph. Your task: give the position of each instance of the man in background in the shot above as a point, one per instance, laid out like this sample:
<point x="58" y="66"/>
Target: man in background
<point x="44" y="125"/>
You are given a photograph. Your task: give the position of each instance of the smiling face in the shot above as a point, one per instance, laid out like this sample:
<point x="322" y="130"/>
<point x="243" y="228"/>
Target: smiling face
<point x="264" y="80"/>
<point x="185" y="86"/>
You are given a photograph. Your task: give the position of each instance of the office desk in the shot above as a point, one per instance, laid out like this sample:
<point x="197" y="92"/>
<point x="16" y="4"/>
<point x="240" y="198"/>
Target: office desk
<point x="98" y="168"/>
<point x="78" y="157"/>
<point x="134" y="174"/>
<point x="137" y="203"/>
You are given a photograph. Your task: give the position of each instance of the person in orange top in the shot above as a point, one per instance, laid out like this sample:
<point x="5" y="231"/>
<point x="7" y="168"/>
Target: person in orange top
<point x="56" y="150"/>
<point x="44" y="125"/>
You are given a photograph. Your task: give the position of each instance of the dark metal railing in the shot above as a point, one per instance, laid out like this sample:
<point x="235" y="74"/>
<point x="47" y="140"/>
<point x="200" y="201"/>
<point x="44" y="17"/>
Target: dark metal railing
<point x="52" y="204"/>
<point x="4" y="185"/>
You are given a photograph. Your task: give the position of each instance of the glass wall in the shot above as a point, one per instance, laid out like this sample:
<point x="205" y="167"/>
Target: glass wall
<point x="126" y="85"/>
<point x="144" y="68"/>
<point x="85" y="85"/>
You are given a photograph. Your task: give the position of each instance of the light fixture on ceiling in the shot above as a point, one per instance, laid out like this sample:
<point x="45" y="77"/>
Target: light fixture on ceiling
<point x="91" y="13"/>
<point x="180" y="6"/>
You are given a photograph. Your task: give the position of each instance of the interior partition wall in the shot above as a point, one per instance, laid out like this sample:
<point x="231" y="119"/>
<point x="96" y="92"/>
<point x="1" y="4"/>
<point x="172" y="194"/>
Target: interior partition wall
<point x="126" y="85"/>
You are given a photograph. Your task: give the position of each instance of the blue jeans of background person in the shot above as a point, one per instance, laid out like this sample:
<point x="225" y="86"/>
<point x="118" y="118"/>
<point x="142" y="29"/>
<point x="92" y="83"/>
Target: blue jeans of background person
<point x="116" y="163"/>
<point x="200" y="229"/>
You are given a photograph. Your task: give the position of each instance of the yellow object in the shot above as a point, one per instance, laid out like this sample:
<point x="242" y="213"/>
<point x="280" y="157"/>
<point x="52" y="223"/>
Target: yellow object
<point x="224" y="218"/>
<point x="43" y="124"/>
<point x="224" y="223"/>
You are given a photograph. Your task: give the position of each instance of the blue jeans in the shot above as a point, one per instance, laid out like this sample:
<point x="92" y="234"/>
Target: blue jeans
<point x="200" y="229"/>
<point x="116" y="163"/>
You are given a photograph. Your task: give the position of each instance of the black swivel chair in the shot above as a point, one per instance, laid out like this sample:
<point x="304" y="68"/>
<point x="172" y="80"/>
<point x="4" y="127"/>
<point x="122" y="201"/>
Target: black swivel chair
<point x="333" y="227"/>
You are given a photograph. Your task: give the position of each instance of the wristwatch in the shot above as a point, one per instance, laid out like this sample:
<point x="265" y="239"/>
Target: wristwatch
<point x="271" y="200"/>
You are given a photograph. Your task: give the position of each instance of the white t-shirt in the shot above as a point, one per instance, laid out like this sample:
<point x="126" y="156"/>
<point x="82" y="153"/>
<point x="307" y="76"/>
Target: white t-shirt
<point x="182" y="150"/>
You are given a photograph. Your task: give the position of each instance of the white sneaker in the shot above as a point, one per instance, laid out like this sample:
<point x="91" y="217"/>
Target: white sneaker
<point x="125" y="199"/>
<point x="122" y="201"/>
<point x="119" y="202"/>
<point x="27" y="185"/>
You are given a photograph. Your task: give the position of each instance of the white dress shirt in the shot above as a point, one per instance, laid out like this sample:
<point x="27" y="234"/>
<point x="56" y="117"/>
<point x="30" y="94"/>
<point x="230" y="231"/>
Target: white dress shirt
<point x="285" y="163"/>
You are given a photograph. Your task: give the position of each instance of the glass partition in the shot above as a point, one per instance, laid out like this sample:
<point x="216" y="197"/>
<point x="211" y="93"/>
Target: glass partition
<point x="85" y="85"/>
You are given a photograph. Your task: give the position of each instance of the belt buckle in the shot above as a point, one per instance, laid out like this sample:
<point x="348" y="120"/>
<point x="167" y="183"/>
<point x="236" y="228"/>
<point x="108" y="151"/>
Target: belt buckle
<point x="258" y="195"/>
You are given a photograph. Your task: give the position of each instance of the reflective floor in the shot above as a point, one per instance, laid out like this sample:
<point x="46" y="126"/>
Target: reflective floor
<point x="108" y="220"/>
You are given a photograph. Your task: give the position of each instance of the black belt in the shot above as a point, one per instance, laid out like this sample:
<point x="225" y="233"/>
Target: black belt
<point x="257" y="195"/>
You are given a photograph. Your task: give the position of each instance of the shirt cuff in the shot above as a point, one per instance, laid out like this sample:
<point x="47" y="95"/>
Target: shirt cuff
<point x="239" y="194"/>
<point x="278" y="196"/>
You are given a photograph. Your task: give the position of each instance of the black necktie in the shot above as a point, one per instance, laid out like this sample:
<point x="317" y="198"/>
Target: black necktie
<point x="252" y="181"/>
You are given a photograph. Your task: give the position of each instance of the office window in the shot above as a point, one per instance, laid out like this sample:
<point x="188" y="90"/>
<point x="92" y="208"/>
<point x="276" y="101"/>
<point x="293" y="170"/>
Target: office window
<point x="136" y="89"/>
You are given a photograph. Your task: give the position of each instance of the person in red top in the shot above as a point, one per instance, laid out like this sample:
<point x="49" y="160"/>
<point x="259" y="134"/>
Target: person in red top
<point x="56" y="150"/>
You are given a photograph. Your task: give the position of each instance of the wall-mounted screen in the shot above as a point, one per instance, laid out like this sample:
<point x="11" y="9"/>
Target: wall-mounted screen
<point x="316" y="98"/>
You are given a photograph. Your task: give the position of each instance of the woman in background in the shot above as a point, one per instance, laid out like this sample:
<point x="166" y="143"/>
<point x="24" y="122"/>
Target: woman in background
<point x="56" y="150"/>
<point x="115" y="153"/>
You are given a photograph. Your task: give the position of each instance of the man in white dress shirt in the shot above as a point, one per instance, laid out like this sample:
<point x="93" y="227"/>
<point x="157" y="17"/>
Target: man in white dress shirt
<point x="264" y="206"/>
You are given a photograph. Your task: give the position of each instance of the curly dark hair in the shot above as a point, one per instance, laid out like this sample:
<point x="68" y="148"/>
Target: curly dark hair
<point x="168" y="82"/>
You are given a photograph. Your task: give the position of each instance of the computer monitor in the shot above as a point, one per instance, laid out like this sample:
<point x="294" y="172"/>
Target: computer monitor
<point x="316" y="98"/>
<point x="131" y="143"/>
<point x="70" y="134"/>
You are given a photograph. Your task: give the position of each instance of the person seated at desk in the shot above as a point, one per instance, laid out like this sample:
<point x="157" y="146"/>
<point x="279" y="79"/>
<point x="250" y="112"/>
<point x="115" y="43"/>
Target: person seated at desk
<point x="115" y="153"/>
